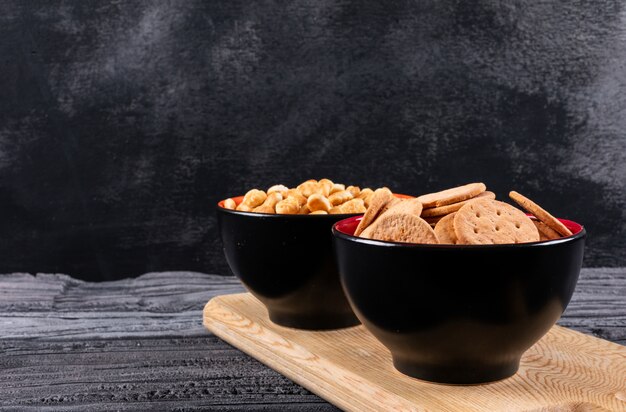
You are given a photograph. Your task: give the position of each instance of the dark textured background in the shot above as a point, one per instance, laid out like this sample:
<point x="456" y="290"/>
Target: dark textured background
<point x="122" y="123"/>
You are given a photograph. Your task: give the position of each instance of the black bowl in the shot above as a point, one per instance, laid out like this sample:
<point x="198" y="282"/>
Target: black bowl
<point x="458" y="314"/>
<point x="287" y="262"/>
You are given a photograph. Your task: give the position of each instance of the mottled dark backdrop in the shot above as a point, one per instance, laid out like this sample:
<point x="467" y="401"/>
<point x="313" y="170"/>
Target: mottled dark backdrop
<point x="122" y="123"/>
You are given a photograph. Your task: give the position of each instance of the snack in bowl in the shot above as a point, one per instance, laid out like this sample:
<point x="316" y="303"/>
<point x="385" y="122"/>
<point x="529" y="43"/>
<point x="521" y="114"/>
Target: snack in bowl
<point x="444" y="230"/>
<point x="278" y="242"/>
<point x="463" y="309"/>
<point x="452" y="195"/>
<point x="311" y="197"/>
<point x="541" y="214"/>
<point x="467" y="214"/>
<point x="486" y="221"/>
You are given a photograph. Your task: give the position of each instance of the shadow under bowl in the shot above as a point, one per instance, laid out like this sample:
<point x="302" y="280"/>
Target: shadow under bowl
<point x="458" y="314"/>
<point x="287" y="262"/>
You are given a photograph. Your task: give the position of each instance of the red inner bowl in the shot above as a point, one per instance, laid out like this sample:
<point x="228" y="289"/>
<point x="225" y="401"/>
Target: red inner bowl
<point x="348" y="226"/>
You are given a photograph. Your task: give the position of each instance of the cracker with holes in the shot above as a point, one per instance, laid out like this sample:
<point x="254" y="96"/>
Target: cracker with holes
<point x="401" y="227"/>
<point x="540" y="213"/>
<point x="487" y="221"/>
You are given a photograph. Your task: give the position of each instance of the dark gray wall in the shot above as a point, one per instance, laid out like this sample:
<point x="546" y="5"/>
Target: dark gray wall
<point x="122" y="123"/>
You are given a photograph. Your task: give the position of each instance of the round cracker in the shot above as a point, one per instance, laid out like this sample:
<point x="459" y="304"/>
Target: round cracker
<point x="540" y="213"/>
<point x="444" y="229"/>
<point x="401" y="227"/>
<point x="545" y="231"/>
<point x="378" y="201"/>
<point x="367" y="233"/>
<point x="487" y="221"/>
<point x="389" y="205"/>
<point x="444" y="210"/>
<point x="453" y="195"/>
<point x="412" y="206"/>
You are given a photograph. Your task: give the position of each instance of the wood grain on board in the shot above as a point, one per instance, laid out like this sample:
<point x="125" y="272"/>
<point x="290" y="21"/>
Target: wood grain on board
<point x="565" y="370"/>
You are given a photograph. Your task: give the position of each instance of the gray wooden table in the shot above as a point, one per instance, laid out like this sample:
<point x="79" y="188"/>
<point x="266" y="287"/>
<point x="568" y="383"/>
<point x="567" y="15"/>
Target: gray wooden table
<point x="139" y="343"/>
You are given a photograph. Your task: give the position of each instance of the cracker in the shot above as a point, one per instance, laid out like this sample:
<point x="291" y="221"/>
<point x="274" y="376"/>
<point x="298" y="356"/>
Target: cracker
<point x="444" y="229"/>
<point x="540" y="213"/>
<point x="401" y="227"/>
<point x="378" y="201"/>
<point x="487" y="221"/>
<point x="412" y="206"/>
<point x="444" y="210"/>
<point x="545" y="231"/>
<point x="393" y="202"/>
<point x="367" y="233"/>
<point x="453" y="195"/>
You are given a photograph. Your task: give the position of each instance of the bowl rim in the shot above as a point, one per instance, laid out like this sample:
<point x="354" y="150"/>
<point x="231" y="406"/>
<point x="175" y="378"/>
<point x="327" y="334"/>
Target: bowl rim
<point x="541" y="243"/>
<point x="219" y="206"/>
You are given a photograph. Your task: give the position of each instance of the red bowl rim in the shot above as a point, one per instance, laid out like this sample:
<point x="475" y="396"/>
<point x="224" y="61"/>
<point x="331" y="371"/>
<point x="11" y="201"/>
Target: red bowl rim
<point x="577" y="229"/>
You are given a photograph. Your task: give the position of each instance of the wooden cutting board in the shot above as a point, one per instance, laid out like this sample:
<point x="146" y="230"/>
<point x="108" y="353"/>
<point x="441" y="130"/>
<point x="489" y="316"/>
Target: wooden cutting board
<point x="564" y="371"/>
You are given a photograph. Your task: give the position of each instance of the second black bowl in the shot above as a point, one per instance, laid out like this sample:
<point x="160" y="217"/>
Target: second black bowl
<point x="287" y="262"/>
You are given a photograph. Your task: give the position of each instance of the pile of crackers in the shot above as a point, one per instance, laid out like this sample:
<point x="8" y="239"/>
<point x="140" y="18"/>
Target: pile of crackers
<point x="463" y="215"/>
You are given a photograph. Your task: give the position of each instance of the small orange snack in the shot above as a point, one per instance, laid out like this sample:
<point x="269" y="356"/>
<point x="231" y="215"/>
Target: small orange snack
<point x="326" y="185"/>
<point x="244" y="207"/>
<point x="311" y="197"/>
<point x="310" y="187"/>
<point x="317" y="202"/>
<point x="354" y="190"/>
<point x="289" y="206"/>
<point x="319" y="212"/>
<point x="353" y="206"/>
<point x="230" y="204"/>
<point x="540" y="213"/>
<point x="254" y="198"/>
<point x="282" y="189"/>
<point x="295" y="194"/>
<point x="340" y="197"/>
<point x="337" y="187"/>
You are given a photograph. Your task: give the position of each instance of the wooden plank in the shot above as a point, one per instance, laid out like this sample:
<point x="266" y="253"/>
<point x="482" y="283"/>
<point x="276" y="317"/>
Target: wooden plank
<point x="565" y="370"/>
